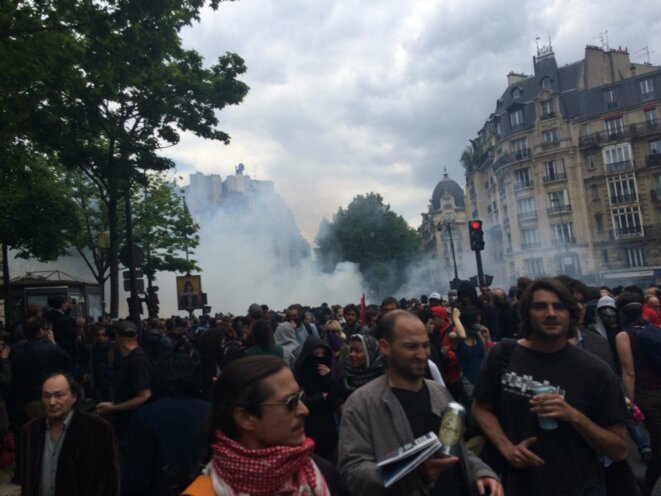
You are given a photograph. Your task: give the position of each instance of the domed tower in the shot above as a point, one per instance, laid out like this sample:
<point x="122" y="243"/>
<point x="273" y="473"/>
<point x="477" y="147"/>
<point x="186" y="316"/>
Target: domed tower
<point x="445" y="219"/>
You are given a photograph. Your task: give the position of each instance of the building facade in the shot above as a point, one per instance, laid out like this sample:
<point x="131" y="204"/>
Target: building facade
<point x="444" y="227"/>
<point x="566" y="173"/>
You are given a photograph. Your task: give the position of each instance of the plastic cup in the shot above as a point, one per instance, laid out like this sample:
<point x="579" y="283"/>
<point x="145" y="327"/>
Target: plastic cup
<point x="545" y="423"/>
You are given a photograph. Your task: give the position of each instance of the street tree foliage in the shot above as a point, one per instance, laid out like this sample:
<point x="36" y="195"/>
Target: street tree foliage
<point x="371" y="235"/>
<point x="164" y="228"/>
<point x="161" y="225"/>
<point x="37" y="218"/>
<point x="104" y="87"/>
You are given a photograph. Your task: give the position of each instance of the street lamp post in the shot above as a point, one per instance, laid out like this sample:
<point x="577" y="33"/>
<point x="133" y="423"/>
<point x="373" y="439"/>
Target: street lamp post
<point x="448" y="226"/>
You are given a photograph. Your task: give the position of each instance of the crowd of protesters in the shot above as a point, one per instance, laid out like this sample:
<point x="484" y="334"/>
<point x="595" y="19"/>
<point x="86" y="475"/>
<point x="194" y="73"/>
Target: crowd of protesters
<point x="307" y="400"/>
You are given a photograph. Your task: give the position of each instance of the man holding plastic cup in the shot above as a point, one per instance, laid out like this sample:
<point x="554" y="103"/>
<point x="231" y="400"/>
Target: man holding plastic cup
<point x="549" y="409"/>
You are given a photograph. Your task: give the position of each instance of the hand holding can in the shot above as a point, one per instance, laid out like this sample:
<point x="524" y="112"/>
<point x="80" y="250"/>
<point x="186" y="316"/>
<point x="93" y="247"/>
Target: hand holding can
<point x="545" y="423"/>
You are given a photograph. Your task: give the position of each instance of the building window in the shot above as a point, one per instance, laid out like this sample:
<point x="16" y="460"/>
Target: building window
<point x="516" y="93"/>
<point x="551" y="135"/>
<point x="527" y="208"/>
<point x="530" y="239"/>
<point x="591" y="162"/>
<point x="655" y="147"/>
<point x="622" y="189"/>
<point x="627" y="222"/>
<point x="447" y="202"/>
<point x="559" y="201"/>
<point x="610" y="96"/>
<point x="516" y="120"/>
<point x="546" y="83"/>
<point x="646" y="87"/>
<point x="534" y="267"/>
<point x="520" y="148"/>
<point x="604" y="255"/>
<point x="599" y="220"/>
<point x="615" y="127"/>
<point x="594" y="191"/>
<point x="563" y="234"/>
<point x="650" y="118"/>
<point x="617" y="158"/>
<point x="586" y="129"/>
<point x="635" y="256"/>
<point x="449" y="217"/>
<point x="657" y="187"/>
<point x="497" y="129"/>
<point x="554" y="170"/>
<point x="522" y="179"/>
<point x="547" y="109"/>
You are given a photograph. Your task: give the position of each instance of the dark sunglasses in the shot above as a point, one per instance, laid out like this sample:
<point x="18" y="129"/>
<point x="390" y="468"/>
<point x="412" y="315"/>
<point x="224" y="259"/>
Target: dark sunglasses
<point x="291" y="402"/>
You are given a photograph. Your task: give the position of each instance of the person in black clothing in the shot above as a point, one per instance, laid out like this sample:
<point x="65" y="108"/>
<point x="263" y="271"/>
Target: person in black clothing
<point x="508" y="317"/>
<point x="467" y="295"/>
<point x="163" y="444"/>
<point x="313" y="373"/>
<point x="65" y="329"/>
<point x="132" y="380"/>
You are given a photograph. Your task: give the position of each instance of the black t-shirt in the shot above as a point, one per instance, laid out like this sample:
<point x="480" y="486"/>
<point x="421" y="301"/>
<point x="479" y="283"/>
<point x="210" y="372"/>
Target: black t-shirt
<point x="417" y="406"/>
<point x="572" y="467"/>
<point x="134" y="375"/>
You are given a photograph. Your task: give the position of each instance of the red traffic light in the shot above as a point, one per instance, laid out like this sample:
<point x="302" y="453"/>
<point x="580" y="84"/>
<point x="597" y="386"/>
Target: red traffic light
<point x="476" y="224"/>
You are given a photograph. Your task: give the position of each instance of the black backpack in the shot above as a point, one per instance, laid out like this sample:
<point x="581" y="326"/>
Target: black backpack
<point x="649" y="343"/>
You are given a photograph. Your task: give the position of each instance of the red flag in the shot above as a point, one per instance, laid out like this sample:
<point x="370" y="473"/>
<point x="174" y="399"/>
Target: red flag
<point x="362" y="310"/>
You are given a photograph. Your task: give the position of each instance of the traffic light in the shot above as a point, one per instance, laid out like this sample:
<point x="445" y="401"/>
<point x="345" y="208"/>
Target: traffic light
<point x="476" y="235"/>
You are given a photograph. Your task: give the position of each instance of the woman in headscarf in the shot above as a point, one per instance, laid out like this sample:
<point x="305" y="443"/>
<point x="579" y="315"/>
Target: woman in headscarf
<point x="313" y="373"/>
<point x="364" y="364"/>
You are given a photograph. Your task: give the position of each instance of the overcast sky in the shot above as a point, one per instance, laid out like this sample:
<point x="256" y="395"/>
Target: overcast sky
<point x="351" y="96"/>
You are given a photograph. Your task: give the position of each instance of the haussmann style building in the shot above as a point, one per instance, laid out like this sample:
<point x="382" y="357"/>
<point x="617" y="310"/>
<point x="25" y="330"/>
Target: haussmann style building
<point x="566" y="173"/>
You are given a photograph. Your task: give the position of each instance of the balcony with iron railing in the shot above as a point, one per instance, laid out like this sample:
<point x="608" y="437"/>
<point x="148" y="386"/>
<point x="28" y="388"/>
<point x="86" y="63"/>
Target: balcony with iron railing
<point x="520" y="185"/>
<point x="627" y="232"/>
<point x="619" y="166"/>
<point x="624" y="198"/>
<point x="563" y="240"/>
<point x="509" y="158"/>
<point x="559" y="209"/>
<point x="546" y="117"/>
<point x="654" y="160"/>
<point x="532" y="214"/>
<point x="556" y="176"/>
<point x="517" y="127"/>
<point x="531" y="245"/>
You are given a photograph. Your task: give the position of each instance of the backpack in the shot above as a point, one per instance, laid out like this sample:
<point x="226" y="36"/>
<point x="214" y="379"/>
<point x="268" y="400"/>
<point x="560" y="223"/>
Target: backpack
<point x="649" y="343"/>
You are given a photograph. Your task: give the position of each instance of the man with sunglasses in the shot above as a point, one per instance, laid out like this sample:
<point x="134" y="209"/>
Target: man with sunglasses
<point x="259" y="443"/>
<point x="397" y="408"/>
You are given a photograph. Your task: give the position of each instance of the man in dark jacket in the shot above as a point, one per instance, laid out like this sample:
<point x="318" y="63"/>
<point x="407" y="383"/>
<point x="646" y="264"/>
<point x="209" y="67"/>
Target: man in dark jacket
<point x="467" y="295"/>
<point x="68" y="453"/>
<point x="65" y="330"/>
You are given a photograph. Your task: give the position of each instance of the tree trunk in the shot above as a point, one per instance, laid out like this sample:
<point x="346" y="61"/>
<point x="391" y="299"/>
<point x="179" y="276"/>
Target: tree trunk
<point x="113" y="255"/>
<point x="5" y="281"/>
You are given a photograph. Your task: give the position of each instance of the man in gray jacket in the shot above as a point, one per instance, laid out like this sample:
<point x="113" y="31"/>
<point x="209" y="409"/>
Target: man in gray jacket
<point x="392" y="411"/>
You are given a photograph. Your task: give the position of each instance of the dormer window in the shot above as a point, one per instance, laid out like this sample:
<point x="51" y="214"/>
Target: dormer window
<point x="516" y="93"/>
<point x="546" y="83"/>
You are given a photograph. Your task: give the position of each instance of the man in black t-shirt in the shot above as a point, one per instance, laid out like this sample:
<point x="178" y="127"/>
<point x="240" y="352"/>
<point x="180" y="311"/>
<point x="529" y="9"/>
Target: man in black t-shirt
<point x="586" y="402"/>
<point x="132" y="381"/>
<point x="393" y="410"/>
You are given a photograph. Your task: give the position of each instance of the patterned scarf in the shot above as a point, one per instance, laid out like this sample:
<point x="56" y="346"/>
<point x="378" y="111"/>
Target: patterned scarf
<point x="355" y="377"/>
<point x="278" y="470"/>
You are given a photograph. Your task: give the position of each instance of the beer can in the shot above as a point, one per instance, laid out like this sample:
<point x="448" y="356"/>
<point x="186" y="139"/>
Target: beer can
<point x="452" y="428"/>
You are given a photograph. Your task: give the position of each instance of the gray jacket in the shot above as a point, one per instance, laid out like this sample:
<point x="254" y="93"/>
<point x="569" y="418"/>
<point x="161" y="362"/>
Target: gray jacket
<point x="374" y="424"/>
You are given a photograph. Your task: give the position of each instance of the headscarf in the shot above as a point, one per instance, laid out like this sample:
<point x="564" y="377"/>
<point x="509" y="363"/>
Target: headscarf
<point x="277" y="470"/>
<point x="356" y="377"/>
<point x="305" y="369"/>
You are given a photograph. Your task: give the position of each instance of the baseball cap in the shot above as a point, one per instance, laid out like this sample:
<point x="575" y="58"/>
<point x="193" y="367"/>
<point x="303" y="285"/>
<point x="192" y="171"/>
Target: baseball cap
<point x="435" y="296"/>
<point x="126" y="328"/>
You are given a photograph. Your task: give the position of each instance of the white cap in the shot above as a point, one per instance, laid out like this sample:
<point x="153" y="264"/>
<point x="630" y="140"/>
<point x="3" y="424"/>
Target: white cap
<point x="435" y="296"/>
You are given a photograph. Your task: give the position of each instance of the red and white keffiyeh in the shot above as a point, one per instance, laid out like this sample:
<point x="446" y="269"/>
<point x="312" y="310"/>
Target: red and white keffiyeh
<point x="278" y="470"/>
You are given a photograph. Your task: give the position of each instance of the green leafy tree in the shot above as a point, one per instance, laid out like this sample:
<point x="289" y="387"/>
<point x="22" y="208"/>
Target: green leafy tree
<point x="103" y="87"/>
<point x="371" y="235"/>
<point x="164" y="228"/>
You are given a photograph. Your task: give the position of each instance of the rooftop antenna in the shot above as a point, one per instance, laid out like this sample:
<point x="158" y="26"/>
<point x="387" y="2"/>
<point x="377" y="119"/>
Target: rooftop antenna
<point x="645" y="55"/>
<point x="544" y="49"/>
<point x="603" y="40"/>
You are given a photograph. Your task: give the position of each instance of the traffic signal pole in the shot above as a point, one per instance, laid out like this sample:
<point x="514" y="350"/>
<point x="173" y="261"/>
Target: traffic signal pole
<point x="480" y="272"/>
